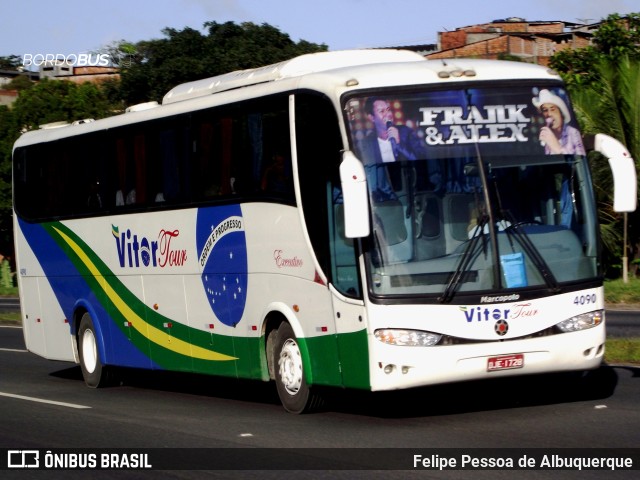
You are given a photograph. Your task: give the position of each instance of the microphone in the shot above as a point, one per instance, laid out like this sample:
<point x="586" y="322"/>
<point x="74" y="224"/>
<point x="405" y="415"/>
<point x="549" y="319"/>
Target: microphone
<point x="547" y="123"/>
<point x="394" y="145"/>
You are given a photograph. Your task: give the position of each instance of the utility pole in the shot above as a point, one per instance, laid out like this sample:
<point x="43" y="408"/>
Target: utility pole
<point x="625" y="269"/>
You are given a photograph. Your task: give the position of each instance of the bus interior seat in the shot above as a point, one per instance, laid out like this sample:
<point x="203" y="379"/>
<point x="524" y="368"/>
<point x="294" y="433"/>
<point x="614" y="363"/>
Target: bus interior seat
<point x="430" y="239"/>
<point x="460" y="212"/>
<point x="390" y="218"/>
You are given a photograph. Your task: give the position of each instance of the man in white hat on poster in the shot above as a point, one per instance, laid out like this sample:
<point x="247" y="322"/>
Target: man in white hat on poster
<point x="557" y="136"/>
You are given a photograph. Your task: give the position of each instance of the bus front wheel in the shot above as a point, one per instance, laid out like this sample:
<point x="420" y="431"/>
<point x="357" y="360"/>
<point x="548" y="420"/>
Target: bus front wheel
<point x="94" y="373"/>
<point x="294" y="393"/>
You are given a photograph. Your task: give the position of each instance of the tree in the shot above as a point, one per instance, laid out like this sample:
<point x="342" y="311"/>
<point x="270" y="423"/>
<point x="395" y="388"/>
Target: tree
<point x="122" y="53"/>
<point x="615" y="38"/>
<point x="605" y="85"/>
<point x="21" y="82"/>
<point x="58" y="100"/>
<point x="619" y="37"/>
<point x="8" y="135"/>
<point x="12" y="62"/>
<point x="612" y="106"/>
<point x="156" y="66"/>
<point x="577" y="67"/>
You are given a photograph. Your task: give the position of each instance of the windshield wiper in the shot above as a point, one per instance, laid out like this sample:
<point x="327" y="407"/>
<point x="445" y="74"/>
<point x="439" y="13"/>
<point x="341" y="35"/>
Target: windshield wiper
<point x="466" y="260"/>
<point x="515" y="229"/>
<point x="538" y="261"/>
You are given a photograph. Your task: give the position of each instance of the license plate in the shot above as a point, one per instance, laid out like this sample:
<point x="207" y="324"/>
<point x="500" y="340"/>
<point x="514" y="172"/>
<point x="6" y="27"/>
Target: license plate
<point x="505" y="362"/>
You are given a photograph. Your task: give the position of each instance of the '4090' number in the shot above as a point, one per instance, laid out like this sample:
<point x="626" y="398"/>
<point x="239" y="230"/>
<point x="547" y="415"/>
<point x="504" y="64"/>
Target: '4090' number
<point x="585" y="299"/>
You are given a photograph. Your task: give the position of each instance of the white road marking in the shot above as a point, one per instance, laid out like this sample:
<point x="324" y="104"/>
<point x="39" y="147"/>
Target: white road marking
<point x="42" y="400"/>
<point x="12" y="349"/>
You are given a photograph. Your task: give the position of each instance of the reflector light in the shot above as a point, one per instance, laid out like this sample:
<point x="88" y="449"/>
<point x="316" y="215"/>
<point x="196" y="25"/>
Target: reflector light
<point x="318" y="279"/>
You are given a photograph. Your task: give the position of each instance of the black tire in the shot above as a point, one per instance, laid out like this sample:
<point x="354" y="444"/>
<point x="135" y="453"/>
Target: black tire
<point x="94" y="373"/>
<point x="294" y="393"/>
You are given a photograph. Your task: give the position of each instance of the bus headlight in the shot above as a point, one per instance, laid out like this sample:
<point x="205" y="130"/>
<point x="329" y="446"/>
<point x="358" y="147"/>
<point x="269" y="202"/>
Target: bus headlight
<point x="407" y="338"/>
<point x="582" y="322"/>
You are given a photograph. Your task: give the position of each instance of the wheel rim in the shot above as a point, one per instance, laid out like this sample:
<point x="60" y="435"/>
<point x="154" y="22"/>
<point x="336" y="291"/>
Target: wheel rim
<point x="89" y="351"/>
<point x="290" y="363"/>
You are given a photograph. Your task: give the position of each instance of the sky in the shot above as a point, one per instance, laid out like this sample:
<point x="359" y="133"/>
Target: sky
<point x="81" y="26"/>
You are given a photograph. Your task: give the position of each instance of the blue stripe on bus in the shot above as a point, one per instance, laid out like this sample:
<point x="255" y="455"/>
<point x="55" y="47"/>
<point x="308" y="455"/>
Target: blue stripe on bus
<point x="70" y="289"/>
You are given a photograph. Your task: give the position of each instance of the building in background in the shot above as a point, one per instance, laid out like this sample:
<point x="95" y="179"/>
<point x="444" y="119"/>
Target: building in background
<point x="8" y="95"/>
<point x="53" y="71"/>
<point x="65" y="71"/>
<point x="514" y="37"/>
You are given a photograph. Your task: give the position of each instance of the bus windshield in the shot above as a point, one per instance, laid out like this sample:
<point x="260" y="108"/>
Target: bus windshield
<point x="474" y="190"/>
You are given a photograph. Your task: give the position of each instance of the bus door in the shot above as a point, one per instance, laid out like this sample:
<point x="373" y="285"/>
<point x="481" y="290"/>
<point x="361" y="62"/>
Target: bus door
<point x="348" y="307"/>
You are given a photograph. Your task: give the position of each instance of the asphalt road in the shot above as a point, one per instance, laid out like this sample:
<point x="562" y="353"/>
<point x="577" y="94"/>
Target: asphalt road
<point x="623" y="323"/>
<point x="9" y="304"/>
<point x="45" y="405"/>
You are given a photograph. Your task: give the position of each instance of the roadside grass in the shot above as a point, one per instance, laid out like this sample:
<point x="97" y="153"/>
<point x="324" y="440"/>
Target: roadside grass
<point x="10" y="318"/>
<point x="617" y="293"/>
<point x="8" y="291"/>
<point x="622" y="350"/>
<point x="620" y="294"/>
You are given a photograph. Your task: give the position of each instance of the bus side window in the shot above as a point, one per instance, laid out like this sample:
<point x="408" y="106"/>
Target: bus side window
<point x="121" y="161"/>
<point x="94" y="199"/>
<point x="203" y="163"/>
<point x="274" y="174"/>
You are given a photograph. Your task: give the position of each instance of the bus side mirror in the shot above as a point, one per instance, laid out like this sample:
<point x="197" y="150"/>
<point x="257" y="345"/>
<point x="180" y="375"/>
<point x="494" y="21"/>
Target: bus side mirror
<point x="623" y="169"/>
<point x="355" y="196"/>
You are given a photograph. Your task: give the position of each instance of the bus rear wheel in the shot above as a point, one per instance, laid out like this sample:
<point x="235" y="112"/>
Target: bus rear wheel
<point x="94" y="373"/>
<point x="294" y="393"/>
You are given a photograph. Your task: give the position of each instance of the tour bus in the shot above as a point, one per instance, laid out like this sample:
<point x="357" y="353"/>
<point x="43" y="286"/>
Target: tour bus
<point x="358" y="219"/>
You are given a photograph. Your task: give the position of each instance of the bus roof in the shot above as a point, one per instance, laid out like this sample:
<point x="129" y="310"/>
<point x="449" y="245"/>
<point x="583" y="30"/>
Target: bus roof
<point x="365" y="66"/>
<point x="296" y="67"/>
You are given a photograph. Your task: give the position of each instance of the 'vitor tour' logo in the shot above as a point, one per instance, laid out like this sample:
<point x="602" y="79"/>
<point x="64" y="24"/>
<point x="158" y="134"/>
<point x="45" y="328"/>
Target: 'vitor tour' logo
<point x="138" y="251"/>
<point x="480" y="314"/>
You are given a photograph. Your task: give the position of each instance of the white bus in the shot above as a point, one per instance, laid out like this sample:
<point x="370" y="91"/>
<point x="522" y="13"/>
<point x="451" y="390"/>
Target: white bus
<point x="358" y="219"/>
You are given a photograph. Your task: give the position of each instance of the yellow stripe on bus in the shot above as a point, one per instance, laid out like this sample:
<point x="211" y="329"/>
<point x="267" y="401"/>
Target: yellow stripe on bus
<point x="151" y="333"/>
